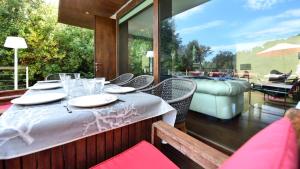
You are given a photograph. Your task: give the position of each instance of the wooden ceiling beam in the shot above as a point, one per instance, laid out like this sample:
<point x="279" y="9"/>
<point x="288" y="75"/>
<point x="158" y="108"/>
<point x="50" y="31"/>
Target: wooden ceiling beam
<point x="82" y="12"/>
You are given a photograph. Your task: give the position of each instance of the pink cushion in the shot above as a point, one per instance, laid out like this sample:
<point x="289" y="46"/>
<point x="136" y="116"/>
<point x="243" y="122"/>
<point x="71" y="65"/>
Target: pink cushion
<point x="275" y="147"/>
<point x="5" y="106"/>
<point x="141" y="156"/>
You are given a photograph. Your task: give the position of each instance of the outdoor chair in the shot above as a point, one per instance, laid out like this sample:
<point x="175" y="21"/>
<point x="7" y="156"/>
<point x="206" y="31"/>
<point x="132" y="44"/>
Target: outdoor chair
<point x="178" y="92"/>
<point x="54" y="76"/>
<point x="140" y="82"/>
<point x="258" y="152"/>
<point x="122" y="79"/>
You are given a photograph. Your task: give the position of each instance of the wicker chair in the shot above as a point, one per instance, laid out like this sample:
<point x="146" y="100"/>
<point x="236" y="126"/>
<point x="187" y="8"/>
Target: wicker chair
<point x="178" y="92"/>
<point x="53" y="77"/>
<point x="122" y="79"/>
<point x="140" y="82"/>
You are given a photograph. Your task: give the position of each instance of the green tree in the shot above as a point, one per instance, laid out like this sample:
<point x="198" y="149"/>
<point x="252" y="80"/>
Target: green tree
<point x="52" y="47"/>
<point x="224" y="60"/>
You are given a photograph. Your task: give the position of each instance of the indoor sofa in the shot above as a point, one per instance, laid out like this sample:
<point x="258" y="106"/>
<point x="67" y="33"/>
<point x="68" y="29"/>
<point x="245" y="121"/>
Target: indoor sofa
<point x="220" y="99"/>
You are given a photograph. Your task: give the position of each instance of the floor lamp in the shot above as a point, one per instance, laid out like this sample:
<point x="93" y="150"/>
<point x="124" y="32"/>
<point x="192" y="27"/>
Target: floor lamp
<point x="15" y="43"/>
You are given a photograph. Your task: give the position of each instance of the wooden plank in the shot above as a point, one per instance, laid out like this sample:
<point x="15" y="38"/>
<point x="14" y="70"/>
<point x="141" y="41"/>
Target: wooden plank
<point x="156" y="39"/>
<point x="14" y="163"/>
<point x="81" y="153"/>
<point x="109" y="144"/>
<point x="29" y="161"/>
<point x="131" y="134"/>
<point x="57" y="160"/>
<point x="91" y="151"/>
<point x="1" y="164"/>
<point x="69" y="155"/>
<point x="143" y="130"/>
<point x="199" y="152"/>
<point x="100" y="147"/>
<point x="125" y="135"/>
<point x="138" y="134"/>
<point x="44" y="159"/>
<point x="148" y="129"/>
<point x="117" y="141"/>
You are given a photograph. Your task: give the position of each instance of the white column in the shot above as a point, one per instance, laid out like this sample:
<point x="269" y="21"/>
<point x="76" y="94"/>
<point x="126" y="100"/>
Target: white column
<point x="16" y="70"/>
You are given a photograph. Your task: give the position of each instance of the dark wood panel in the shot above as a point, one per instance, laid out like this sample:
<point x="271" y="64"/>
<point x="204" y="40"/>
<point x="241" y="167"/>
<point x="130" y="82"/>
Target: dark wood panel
<point x="109" y="144"/>
<point x="81" y="153"/>
<point x="131" y="135"/>
<point x="57" y="160"/>
<point x="29" y="162"/>
<point x="91" y="151"/>
<point x="1" y="165"/>
<point x="85" y="152"/>
<point x="138" y="132"/>
<point x="70" y="156"/>
<point x="105" y="47"/>
<point x="12" y="164"/>
<point x="125" y="140"/>
<point x="101" y="147"/>
<point x="117" y="141"/>
<point x="44" y="159"/>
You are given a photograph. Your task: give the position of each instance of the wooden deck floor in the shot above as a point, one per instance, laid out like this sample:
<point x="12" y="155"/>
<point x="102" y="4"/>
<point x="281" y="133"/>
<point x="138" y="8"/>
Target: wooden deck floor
<point x="227" y="135"/>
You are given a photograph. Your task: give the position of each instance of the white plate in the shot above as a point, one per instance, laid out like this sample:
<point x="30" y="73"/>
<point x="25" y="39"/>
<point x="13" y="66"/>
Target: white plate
<point x="93" y="100"/>
<point x="49" y="81"/>
<point x="45" y="86"/>
<point x="119" y="90"/>
<point x="39" y="98"/>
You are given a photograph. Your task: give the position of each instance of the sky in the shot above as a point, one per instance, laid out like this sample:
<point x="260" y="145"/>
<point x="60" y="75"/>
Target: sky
<point x="238" y="25"/>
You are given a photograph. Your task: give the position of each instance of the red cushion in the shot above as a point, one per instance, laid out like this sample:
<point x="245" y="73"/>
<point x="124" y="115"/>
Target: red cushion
<point x="275" y="147"/>
<point x="141" y="156"/>
<point x="5" y="106"/>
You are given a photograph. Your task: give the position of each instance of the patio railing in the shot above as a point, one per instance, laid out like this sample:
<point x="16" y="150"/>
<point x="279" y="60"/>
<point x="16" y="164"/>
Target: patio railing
<point x="7" y="78"/>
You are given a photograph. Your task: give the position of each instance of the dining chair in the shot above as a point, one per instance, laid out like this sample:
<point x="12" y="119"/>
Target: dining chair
<point x="178" y="92"/>
<point x="140" y="82"/>
<point x="54" y="76"/>
<point x="122" y="79"/>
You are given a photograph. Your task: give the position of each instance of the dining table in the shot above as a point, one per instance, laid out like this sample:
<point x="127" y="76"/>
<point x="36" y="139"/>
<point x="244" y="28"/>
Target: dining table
<point x="58" y="135"/>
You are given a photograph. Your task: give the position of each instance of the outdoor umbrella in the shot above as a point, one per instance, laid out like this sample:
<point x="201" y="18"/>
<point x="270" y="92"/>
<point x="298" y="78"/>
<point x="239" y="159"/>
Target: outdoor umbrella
<point x="280" y="49"/>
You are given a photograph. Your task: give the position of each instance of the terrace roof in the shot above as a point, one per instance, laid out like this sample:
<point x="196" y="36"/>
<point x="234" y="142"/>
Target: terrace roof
<point x="82" y="12"/>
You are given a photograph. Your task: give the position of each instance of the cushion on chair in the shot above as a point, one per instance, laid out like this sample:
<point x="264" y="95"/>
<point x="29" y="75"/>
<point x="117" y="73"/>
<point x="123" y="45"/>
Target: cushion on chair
<point x="141" y="156"/>
<point x="275" y="147"/>
<point x="5" y="106"/>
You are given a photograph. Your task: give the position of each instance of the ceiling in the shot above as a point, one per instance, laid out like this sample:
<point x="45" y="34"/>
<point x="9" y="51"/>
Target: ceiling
<point x="82" y="12"/>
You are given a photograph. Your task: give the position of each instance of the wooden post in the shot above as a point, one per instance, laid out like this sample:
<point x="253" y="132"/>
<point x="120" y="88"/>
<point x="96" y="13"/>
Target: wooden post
<point x="156" y="41"/>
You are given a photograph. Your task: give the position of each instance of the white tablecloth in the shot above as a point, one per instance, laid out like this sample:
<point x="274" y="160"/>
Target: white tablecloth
<point x="28" y="129"/>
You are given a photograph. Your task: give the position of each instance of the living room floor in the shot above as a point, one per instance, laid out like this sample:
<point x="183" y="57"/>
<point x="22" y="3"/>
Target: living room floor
<point x="229" y="135"/>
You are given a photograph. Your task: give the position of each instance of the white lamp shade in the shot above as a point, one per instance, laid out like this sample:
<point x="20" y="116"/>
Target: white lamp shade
<point x="15" y="42"/>
<point x="149" y="54"/>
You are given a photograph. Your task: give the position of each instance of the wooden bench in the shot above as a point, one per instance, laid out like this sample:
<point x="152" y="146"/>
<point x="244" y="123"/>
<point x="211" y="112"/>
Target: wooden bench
<point x="204" y="155"/>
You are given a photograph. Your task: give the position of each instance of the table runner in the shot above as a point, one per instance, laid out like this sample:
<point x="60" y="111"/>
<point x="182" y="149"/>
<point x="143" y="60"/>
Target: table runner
<point x="29" y="129"/>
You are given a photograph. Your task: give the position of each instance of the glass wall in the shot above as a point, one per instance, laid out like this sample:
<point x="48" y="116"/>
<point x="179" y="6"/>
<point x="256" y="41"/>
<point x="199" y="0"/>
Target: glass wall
<point x="256" y="40"/>
<point x="136" y="43"/>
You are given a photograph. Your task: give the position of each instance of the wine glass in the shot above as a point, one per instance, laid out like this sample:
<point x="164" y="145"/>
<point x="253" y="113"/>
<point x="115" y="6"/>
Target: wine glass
<point x="100" y="83"/>
<point x="89" y="86"/>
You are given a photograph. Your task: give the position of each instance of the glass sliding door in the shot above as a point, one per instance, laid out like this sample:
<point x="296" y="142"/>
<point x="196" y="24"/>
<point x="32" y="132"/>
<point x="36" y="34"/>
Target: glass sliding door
<point x="136" y="43"/>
